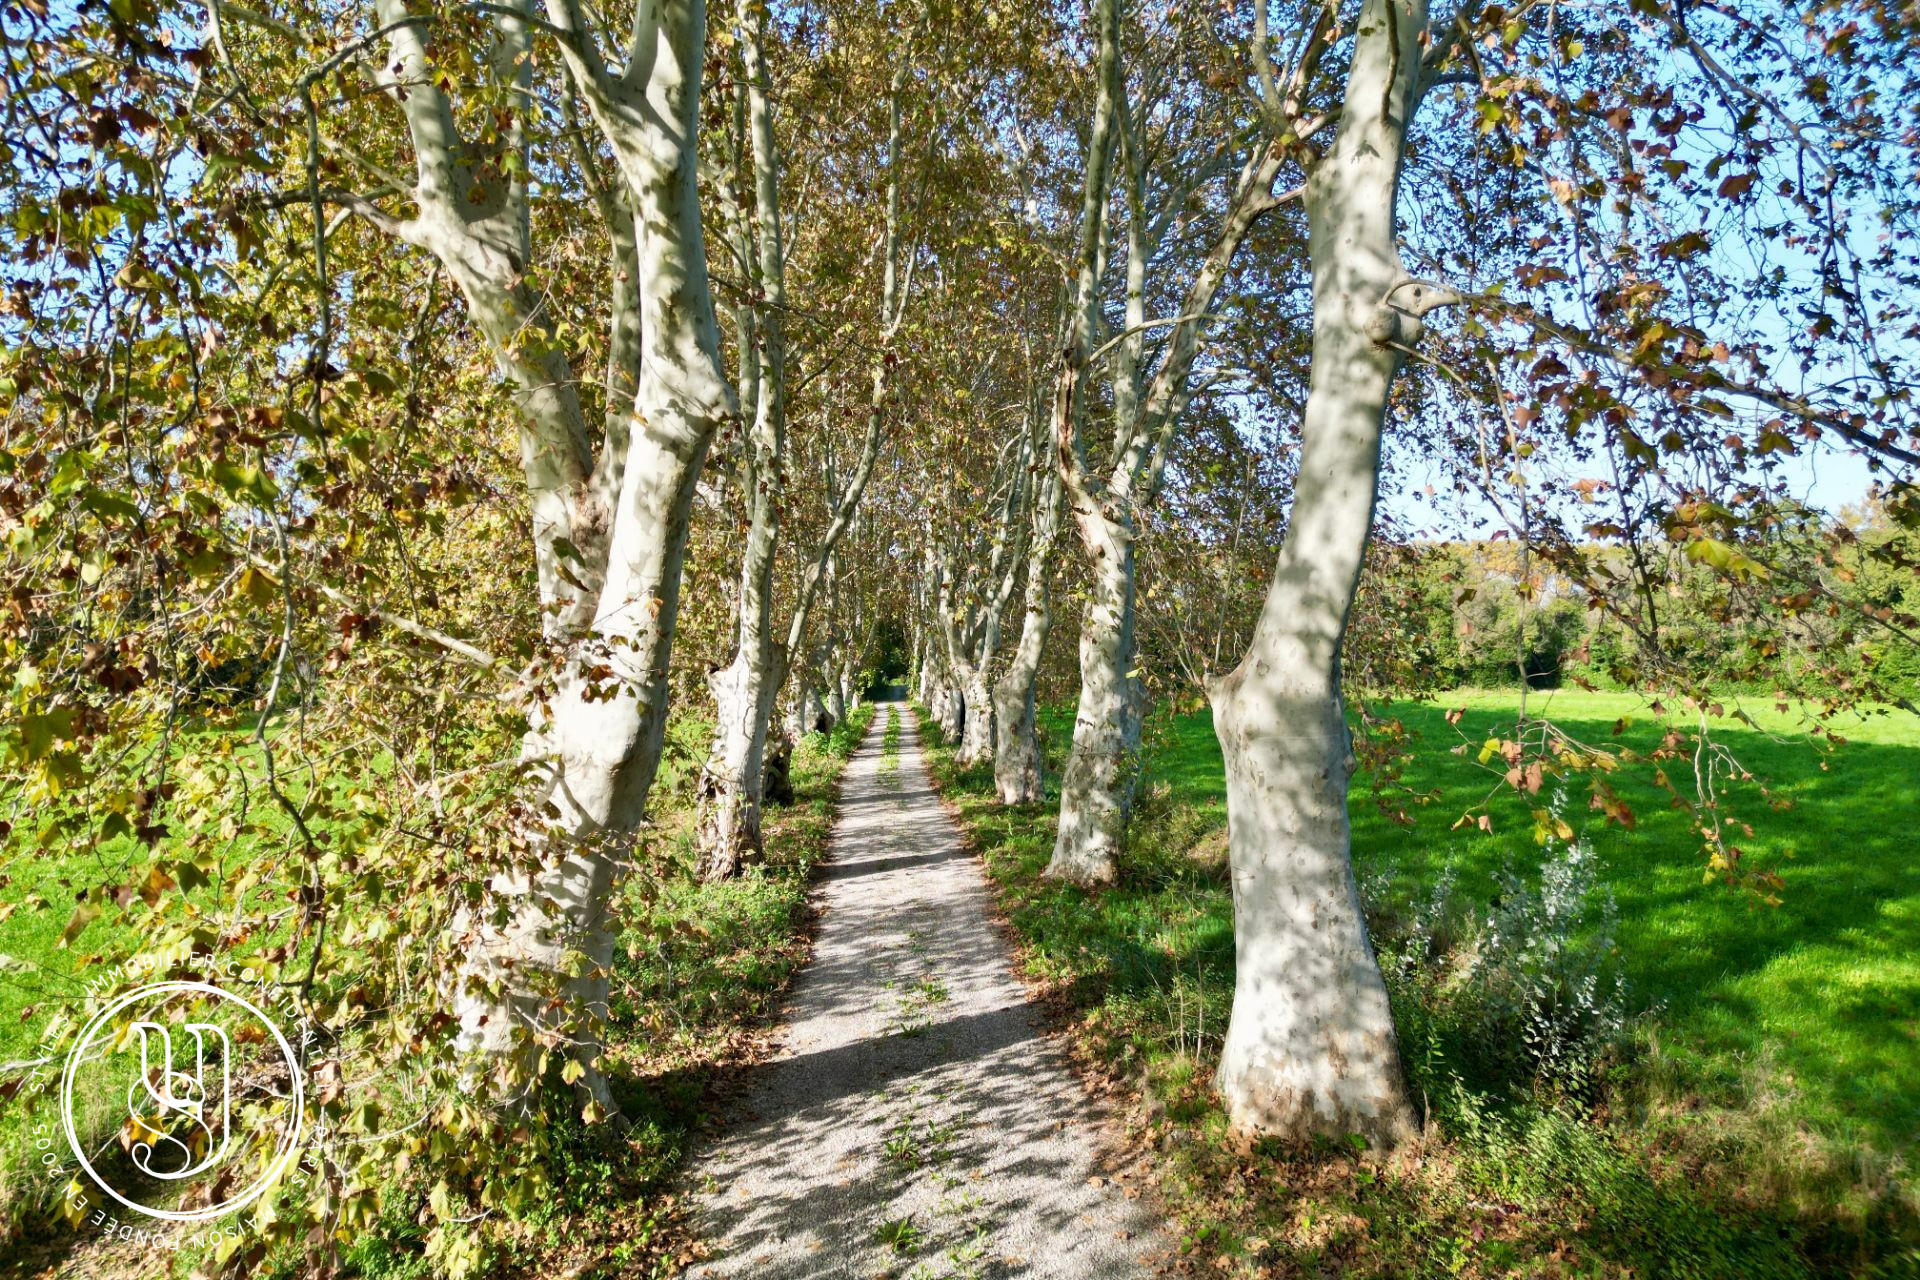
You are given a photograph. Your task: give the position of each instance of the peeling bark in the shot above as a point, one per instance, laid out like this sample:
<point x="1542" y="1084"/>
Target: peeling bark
<point x="1310" y="1049"/>
<point x="1096" y="791"/>
<point x="539" y="970"/>
<point x="1017" y="767"/>
<point x="732" y="782"/>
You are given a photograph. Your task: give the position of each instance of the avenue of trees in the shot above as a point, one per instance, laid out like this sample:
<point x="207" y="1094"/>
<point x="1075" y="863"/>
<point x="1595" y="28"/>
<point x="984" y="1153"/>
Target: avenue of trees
<point x="411" y="408"/>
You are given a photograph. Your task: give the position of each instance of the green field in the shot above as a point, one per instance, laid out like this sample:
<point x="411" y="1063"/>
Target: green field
<point x="1759" y="1119"/>
<point x="1820" y="995"/>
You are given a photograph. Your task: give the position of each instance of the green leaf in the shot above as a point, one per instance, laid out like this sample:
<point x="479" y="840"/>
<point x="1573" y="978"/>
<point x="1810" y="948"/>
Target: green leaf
<point x="243" y="481"/>
<point x="1725" y="557"/>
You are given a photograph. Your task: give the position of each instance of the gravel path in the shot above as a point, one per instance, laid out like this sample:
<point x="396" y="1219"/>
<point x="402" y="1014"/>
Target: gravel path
<point x="917" y="1123"/>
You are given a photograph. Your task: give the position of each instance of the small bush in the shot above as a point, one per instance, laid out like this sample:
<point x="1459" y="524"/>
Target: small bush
<point x="1526" y="991"/>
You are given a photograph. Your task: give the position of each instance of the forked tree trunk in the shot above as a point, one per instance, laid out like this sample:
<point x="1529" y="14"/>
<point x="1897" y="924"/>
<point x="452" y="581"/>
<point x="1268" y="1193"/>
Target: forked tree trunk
<point x="597" y="755"/>
<point x="547" y="964"/>
<point x="1310" y="1048"/>
<point x="1097" y="792"/>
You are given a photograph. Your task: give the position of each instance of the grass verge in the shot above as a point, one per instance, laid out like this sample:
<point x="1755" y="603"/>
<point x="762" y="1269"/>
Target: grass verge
<point x="698" y="975"/>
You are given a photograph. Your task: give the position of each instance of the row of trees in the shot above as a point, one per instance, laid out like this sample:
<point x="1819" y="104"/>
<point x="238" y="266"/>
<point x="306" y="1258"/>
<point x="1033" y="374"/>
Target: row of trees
<point x="807" y="323"/>
<point x="1630" y="304"/>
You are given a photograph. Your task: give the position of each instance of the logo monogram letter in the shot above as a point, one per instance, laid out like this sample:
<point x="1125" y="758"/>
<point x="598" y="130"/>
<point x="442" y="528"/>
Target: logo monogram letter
<point x="178" y="1100"/>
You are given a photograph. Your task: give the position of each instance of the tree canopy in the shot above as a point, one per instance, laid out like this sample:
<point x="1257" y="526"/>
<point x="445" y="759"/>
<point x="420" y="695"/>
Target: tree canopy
<point x="413" y="410"/>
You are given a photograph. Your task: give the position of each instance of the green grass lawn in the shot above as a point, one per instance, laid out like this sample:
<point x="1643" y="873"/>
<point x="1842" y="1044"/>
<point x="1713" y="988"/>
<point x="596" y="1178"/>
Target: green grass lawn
<point x="1820" y="994"/>
<point x="1762" y="1122"/>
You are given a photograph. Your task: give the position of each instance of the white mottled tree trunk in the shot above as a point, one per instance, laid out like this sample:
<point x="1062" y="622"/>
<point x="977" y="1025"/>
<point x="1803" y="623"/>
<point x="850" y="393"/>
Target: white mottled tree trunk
<point x="1310" y="1049"/>
<point x="925" y="672"/>
<point x="543" y="964"/>
<point x="976" y="735"/>
<point x="1096" y="793"/>
<point x="1089" y="807"/>
<point x="948" y="700"/>
<point x="974" y="646"/>
<point x="732" y="781"/>
<point x="1017" y="772"/>
<point x="949" y="710"/>
<point x="744" y="693"/>
<point x="1096" y="790"/>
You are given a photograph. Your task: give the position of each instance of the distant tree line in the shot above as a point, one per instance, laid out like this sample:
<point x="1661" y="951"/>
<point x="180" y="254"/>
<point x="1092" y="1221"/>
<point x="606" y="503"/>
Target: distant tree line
<point x="1490" y="613"/>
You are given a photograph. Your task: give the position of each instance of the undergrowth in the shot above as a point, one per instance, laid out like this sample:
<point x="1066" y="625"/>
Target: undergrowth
<point x="696" y="979"/>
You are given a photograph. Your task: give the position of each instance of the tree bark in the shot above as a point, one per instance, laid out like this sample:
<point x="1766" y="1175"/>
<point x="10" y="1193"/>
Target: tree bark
<point x="924" y="675"/>
<point x="1096" y="791"/>
<point x="1075" y="856"/>
<point x="744" y="694"/>
<point x="973" y="646"/>
<point x="1096" y="795"/>
<point x="976" y="735"/>
<point x="538" y="966"/>
<point x="1017" y="768"/>
<point x="1310" y="1047"/>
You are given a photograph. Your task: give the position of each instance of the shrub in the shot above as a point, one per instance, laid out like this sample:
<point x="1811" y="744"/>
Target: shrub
<point x="1525" y="991"/>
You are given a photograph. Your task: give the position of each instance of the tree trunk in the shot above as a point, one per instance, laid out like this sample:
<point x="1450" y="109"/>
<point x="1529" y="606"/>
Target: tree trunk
<point x="797" y="708"/>
<point x="1092" y="802"/>
<point x="926" y="672"/>
<point x="778" y="788"/>
<point x="813" y="712"/>
<point x="1018" y="776"/>
<point x="732" y="781"/>
<point x="1017" y="773"/>
<point x="976" y="734"/>
<point x="730" y="786"/>
<point x="1096" y="792"/>
<point x="597" y="755"/>
<point x="949" y="710"/>
<point x="1310" y="1048"/>
<point x="547" y="965"/>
